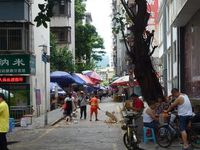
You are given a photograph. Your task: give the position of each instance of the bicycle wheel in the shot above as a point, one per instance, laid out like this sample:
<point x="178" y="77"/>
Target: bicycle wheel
<point x="126" y="140"/>
<point x="164" y="136"/>
<point x="130" y="142"/>
<point x="194" y="138"/>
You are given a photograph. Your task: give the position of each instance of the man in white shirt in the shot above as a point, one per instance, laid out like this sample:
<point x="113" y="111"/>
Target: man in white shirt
<point x="184" y="112"/>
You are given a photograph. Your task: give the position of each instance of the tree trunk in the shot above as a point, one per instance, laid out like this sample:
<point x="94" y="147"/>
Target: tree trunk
<point x="140" y="54"/>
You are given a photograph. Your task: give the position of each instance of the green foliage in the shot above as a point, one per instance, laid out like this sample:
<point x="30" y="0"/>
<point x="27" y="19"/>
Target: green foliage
<point x="88" y="43"/>
<point x="120" y="20"/>
<point x="46" y="12"/>
<point x="61" y="58"/>
<point x="80" y="9"/>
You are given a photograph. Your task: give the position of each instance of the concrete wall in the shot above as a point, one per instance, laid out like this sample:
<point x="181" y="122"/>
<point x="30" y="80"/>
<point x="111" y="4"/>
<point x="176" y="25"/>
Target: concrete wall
<point x="41" y="37"/>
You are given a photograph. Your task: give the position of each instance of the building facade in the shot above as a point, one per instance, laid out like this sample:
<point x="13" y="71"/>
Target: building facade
<point x="63" y="24"/>
<point x="21" y="67"/>
<point x="120" y="58"/>
<point x="178" y="38"/>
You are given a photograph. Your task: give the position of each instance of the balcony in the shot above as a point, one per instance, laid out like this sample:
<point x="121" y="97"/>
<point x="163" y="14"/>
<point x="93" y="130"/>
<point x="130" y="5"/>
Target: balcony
<point x="14" y="10"/>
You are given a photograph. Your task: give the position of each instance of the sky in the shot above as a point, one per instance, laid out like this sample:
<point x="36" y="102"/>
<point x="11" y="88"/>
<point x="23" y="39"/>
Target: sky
<point x="101" y="11"/>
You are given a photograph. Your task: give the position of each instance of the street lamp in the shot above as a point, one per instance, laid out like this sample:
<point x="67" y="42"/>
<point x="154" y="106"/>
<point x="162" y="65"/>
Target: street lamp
<point x="45" y="59"/>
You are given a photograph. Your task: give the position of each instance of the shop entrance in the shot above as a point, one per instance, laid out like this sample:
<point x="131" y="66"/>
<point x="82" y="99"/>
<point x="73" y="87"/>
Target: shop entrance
<point x="18" y="99"/>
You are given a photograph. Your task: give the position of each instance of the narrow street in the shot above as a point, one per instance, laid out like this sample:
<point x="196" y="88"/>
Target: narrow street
<point x="78" y="135"/>
<point x="84" y="135"/>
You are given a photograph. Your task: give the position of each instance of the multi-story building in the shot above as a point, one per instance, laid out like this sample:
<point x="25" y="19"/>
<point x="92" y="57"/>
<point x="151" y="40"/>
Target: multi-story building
<point x="120" y="58"/>
<point x="63" y="24"/>
<point x="179" y="28"/>
<point x="22" y="71"/>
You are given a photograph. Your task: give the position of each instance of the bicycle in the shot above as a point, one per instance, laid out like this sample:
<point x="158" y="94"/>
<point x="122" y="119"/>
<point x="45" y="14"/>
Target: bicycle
<point x="169" y="131"/>
<point x="130" y="137"/>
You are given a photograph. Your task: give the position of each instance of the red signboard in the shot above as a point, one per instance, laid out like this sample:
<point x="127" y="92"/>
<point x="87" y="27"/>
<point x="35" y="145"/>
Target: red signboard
<point x="12" y="79"/>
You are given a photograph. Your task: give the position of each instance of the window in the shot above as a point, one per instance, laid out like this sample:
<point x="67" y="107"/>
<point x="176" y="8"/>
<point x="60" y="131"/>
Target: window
<point x="69" y="35"/>
<point x="63" y="34"/>
<point x="167" y="18"/>
<point x="69" y="8"/>
<point x="174" y="52"/>
<point x="3" y="40"/>
<point x="62" y="7"/>
<point x="11" y="39"/>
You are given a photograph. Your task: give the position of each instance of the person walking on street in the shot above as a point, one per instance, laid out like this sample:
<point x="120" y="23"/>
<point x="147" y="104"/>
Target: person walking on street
<point x="4" y="122"/>
<point x="94" y="106"/>
<point x="69" y="106"/>
<point x="83" y="105"/>
<point x="184" y="112"/>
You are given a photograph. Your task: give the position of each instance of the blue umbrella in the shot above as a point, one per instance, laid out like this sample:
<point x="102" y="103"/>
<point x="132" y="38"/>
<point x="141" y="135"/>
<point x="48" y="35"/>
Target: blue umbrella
<point x="62" y="78"/>
<point x="77" y="79"/>
<point x="53" y="86"/>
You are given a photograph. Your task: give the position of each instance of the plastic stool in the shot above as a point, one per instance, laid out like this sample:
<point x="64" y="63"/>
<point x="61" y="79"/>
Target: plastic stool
<point x="151" y="137"/>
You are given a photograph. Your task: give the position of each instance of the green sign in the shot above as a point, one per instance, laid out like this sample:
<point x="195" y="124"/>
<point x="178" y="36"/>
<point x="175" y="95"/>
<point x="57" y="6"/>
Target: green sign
<point x="17" y="64"/>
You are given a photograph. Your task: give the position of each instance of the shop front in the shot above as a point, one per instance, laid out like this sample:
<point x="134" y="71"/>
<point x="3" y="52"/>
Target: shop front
<point x="15" y="73"/>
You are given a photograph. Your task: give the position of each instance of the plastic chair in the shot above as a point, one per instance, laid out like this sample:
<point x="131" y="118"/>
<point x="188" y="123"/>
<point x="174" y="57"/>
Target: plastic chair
<point x="151" y="137"/>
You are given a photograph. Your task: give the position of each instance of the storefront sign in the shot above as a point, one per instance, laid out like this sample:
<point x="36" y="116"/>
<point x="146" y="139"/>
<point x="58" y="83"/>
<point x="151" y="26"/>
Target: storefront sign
<point x="17" y="64"/>
<point x="12" y="79"/>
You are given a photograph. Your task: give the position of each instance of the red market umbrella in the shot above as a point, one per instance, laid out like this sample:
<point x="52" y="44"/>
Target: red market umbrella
<point x="124" y="81"/>
<point x="93" y="75"/>
<point x="86" y="79"/>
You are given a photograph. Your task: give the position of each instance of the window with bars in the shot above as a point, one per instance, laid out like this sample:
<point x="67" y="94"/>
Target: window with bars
<point x="68" y="8"/>
<point x="15" y="37"/>
<point x="63" y="34"/>
<point x="10" y="39"/>
<point x="62" y="7"/>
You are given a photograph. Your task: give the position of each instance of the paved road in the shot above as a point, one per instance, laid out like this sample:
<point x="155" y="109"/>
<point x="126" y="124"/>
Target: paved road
<point x="84" y="135"/>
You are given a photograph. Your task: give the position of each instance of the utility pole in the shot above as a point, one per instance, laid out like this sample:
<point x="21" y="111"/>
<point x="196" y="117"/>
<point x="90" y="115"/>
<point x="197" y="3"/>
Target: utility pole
<point x="45" y="59"/>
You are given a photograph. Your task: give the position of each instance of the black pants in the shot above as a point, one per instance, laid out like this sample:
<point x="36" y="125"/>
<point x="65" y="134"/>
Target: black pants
<point x="83" y="110"/>
<point x="3" y="141"/>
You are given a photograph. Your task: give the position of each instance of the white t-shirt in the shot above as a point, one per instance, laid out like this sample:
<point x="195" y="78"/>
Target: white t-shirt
<point x="185" y="109"/>
<point x="146" y="117"/>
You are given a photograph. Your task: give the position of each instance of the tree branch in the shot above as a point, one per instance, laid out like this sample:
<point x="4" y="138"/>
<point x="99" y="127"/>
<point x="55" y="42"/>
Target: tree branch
<point x="130" y="14"/>
<point x="154" y="47"/>
<point x="124" y="37"/>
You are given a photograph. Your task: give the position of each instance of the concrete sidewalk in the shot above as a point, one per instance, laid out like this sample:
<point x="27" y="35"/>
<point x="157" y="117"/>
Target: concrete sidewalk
<point x="38" y="122"/>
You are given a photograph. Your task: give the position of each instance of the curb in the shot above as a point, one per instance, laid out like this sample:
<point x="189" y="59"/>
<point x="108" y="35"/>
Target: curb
<point x="57" y="121"/>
